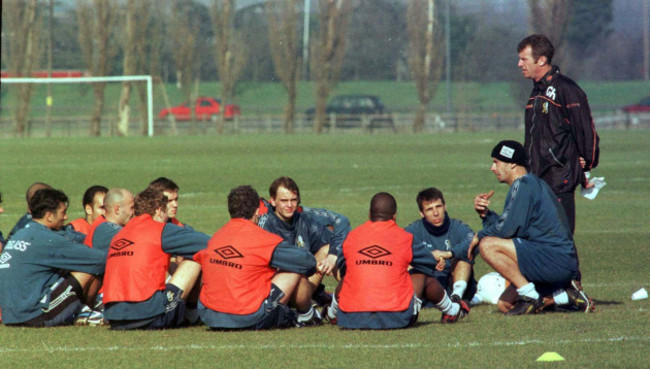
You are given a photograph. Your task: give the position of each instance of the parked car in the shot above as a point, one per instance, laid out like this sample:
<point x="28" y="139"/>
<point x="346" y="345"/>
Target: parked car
<point x="642" y="106"/>
<point x="204" y="108"/>
<point x="353" y="110"/>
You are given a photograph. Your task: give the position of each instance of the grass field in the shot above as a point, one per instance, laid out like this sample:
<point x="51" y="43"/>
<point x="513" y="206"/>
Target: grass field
<point x="342" y="173"/>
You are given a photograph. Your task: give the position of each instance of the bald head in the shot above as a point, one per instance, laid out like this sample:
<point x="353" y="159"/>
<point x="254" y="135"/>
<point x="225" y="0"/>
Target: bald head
<point x="118" y="204"/>
<point x="383" y="207"/>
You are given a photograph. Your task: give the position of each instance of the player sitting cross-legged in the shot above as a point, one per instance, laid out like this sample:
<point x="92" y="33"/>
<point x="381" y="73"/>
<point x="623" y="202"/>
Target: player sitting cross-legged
<point x="249" y="274"/>
<point x="448" y="239"/>
<point x="135" y="293"/>
<point x="303" y="230"/>
<point x="44" y="276"/>
<point x="376" y="290"/>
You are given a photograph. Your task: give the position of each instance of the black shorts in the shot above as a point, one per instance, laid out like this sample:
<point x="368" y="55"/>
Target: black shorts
<point x="276" y="315"/>
<point x="63" y="304"/>
<point x="173" y="317"/>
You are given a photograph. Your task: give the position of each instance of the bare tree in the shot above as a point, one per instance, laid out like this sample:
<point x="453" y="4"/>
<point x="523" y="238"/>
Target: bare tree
<point x="135" y="41"/>
<point x="230" y="52"/>
<point x="148" y="47"/>
<point x="21" y="28"/>
<point x="551" y="17"/>
<point x="96" y="27"/>
<point x="375" y="40"/>
<point x="283" y="36"/>
<point x="128" y="48"/>
<point x="425" y="54"/>
<point x="328" y="52"/>
<point x="183" y="44"/>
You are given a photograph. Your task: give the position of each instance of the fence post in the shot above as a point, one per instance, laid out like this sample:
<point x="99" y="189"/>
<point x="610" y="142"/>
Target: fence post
<point x="365" y="123"/>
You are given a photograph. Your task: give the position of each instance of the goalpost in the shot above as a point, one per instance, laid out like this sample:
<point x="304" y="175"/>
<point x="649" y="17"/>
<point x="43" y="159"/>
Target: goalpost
<point x="97" y="79"/>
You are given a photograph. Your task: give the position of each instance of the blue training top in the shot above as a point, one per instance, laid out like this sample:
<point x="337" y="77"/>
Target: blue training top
<point x="456" y="240"/>
<point x="531" y="212"/>
<point x="303" y="231"/>
<point x="32" y="262"/>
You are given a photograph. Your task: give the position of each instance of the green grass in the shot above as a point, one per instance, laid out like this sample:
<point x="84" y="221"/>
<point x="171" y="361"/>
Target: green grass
<point x="342" y="173"/>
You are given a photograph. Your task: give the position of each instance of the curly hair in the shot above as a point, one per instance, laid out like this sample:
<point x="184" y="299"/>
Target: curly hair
<point x="147" y="201"/>
<point x="243" y="201"/>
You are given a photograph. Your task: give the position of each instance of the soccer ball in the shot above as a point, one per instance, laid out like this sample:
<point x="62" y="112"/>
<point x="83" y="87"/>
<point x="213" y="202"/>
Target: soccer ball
<point x="490" y="287"/>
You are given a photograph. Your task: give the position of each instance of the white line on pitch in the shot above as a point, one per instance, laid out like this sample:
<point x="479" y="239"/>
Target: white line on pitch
<point x="6" y="350"/>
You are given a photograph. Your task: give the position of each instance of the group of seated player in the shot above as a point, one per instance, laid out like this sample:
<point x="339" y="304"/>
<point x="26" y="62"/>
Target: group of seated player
<point x="130" y="263"/>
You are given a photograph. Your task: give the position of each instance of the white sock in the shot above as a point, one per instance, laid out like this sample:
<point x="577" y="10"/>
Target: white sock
<point x="459" y="288"/>
<point x="447" y="306"/>
<point x="528" y="290"/>
<point x="560" y="297"/>
<point x="333" y="309"/>
<point x="305" y="317"/>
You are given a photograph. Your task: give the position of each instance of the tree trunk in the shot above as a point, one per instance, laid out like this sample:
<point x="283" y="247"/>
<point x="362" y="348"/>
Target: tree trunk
<point x="420" y="116"/>
<point x="98" y="107"/>
<point x="290" y="110"/>
<point x="24" y="97"/>
<point x="26" y="62"/>
<point x="144" y="122"/>
<point x="321" y="108"/>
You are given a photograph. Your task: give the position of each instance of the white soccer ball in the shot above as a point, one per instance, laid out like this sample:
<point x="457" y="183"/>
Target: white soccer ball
<point x="490" y="287"/>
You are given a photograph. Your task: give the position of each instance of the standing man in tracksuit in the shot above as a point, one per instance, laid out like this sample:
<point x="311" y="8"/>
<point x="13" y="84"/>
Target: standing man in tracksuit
<point x="561" y="141"/>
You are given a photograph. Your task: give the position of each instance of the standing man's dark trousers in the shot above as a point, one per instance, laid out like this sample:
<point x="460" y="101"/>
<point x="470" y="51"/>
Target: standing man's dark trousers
<point x="568" y="202"/>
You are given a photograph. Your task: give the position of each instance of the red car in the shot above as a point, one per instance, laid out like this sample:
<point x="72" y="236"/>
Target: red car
<point x="205" y="108"/>
<point x="642" y="107"/>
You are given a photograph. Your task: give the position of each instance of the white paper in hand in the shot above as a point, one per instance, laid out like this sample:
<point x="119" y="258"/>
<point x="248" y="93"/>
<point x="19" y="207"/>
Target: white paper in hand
<point x="591" y="193"/>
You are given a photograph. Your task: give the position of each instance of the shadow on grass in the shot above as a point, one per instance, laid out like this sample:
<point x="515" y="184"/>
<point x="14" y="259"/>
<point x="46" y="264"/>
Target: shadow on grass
<point x="423" y="323"/>
<point x="604" y="302"/>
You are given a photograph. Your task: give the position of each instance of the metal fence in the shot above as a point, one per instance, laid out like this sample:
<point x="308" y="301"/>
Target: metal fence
<point x="274" y="124"/>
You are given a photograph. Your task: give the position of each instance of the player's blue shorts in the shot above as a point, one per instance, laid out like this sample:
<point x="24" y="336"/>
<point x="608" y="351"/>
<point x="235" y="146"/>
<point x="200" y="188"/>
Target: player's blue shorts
<point x="381" y="319"/>
<point x="62" y="304"/>
<point x="271" y="314"/>
<point x="544" y="263"/>
<point x="173" y="317"/>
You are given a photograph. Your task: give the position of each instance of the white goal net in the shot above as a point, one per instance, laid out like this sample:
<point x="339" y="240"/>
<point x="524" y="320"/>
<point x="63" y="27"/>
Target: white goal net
<point x="71" y="103"/>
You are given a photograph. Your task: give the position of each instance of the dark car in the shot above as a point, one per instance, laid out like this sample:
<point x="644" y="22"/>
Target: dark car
<point x="642" y="106"/>
<point x="355" y="111"/>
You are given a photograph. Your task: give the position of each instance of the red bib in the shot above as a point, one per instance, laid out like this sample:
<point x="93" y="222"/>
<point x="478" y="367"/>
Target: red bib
<point x="136" y="266"/>
<point x="235" y="265"/>
<point x="80" y="225"/>
<point x="377" y="256"/>
<point x="88" y="241"/>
